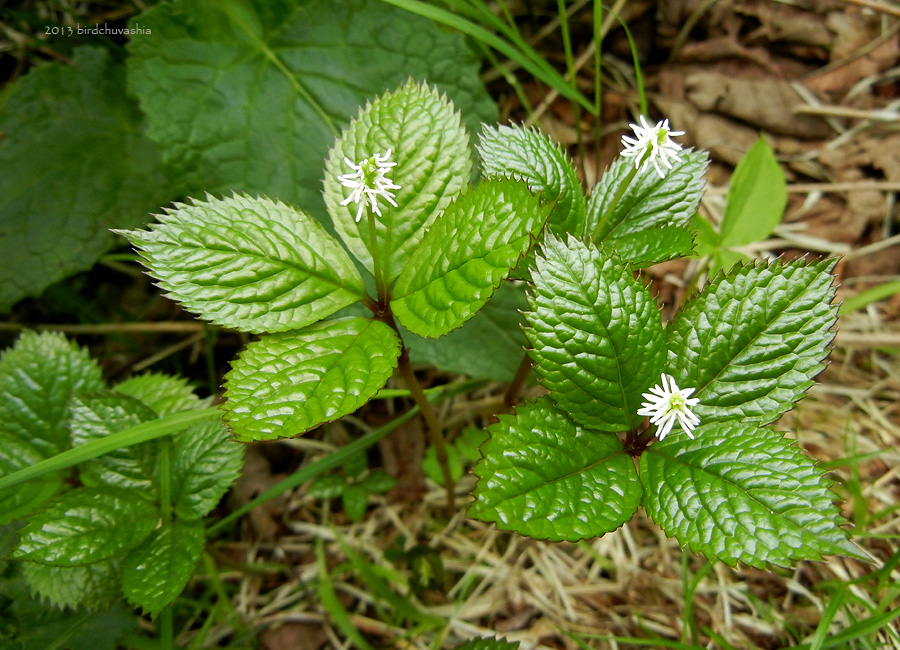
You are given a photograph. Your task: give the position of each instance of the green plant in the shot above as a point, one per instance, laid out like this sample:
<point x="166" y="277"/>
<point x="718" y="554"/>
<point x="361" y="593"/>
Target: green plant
<point x="133" y="525"/>
<point x="353" y="486"/>
<point x="756" y="199"/>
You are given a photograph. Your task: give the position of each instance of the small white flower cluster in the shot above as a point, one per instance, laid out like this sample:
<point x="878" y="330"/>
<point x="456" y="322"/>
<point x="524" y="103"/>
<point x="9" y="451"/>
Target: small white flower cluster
<point x="668" y="403"/>
<point x="368" y="182"/>
<point x="652" y="145"/>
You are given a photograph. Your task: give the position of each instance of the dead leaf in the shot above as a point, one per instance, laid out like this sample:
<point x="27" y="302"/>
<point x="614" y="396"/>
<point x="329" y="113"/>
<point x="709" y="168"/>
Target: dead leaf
<point x="294" y="636"/>
<point x="767" y="104"/>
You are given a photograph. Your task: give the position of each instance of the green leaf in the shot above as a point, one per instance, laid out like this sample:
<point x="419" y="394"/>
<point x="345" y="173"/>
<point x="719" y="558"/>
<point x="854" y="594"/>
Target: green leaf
<point x="528" y="154"/>
<point x="165" y="394"/>
<point x="155" y="572"/>
<point x="707" y="237"/>
<point x="43" y="628"/>
<point x="432" y="467"/>
<point x="75" y="163"/>
<point x="752" y="341"/>
<point x="378" y="482"/>
<point x="327" y="486"/>
<point x="646" y="202"/>
<point x="249" y="264"/>
<point x="495" y="327"/>
<point x="355" y="500"/>
<point x="87" y="525"/>
<point x="205" y="464"/>
<point x="742" y="494"/>
<point x="286" y="384"/>
<point x="93" y="587"/>
<point x="596" y="334"/>
<point x="465" y="255"/>
<point x="249" y="96"/>
<point x="16" y="502"/>
<point x="422" y="130"/>
<point x="756" y="198"/>
<point x="650" y="246"/>
<point x="98" y="415"/>
<point x="37" y="377"/>
<point x="544" y="476"/>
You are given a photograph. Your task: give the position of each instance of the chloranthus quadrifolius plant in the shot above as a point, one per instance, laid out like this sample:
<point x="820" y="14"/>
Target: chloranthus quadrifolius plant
<point x="134" y="525"/>
<point x="707" y="467"/>
<point x="397" y="186"/>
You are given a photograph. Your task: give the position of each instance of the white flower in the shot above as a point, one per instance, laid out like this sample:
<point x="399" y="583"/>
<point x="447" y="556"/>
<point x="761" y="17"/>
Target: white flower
<point x="368" y="182"/>
<point x="652" y="145"/>
<point x="666" y="404"/>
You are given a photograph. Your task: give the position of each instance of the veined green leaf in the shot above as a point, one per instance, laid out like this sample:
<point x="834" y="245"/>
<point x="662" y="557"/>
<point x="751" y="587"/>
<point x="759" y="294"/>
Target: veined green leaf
<point x="596" y="334"/>
<point x="752" y="341"/>
<point x="650" y="246"/>
<point x="248" y="95"/>
<point x="16" y="502"/>
<point x="544" y="476"/>
<point x="37" y="377"/>
<point x="742" y="494"/>
<point x="165" y="394"/>
<point x="423" y="131"/>
<point x="495" y="327"/>
<point x="93" y="586"/>
<point x="75" y="163"/>
<point x="286" y="384"/>
<point x="756" y="198"/>
<point x="98" y="415"/>
<point x="155" y="572"/>
<point x="528" y="154"/>
<point x="87" y="525"/>
<point x="249" y="263"/>
<point x="651" y="203"/>
<point x="205" y="464"/>
<point x="481" y="236"/>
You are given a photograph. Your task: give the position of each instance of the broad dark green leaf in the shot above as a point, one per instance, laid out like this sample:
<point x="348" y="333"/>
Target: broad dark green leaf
<point x="743" y="494"/>
<point x="87" y="525"/>
<point x="544" y="476"/>
<point x="19" y="501"/>
<point x="378" y="482"/>
<point x="355" y="500"/>
<point x="97" y="415"/>
<point x="752" y="341"/>
<point x="327" y="486"/>
<point x="37" y="377"/>
<point x="154" y="573"/>
<point x="75" y="164"/>
<point x="651" y="203"/>
<point x="596" y="334"/>
<point x="756" y="198"/>
<point x="431" y="149"/>
<point x="653" y="245"/>
<point x="528" y="154"/>
<point x="35" y="626"/>
<point x="496" y="327"/>
<point x="466" y="255"/>
<point x="205" y="462"/>
<point x="249" y="263"/>
<point x="165" y="394"/>
<point x="93" y="586"/>
<point x="286" y="384"/>
<point x="249" y="96"/>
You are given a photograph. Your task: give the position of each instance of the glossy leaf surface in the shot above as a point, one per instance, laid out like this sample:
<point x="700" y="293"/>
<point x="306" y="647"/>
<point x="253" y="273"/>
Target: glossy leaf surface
<point x="249" y="263"/>
<point x="285" y="384"/>
<point x="18" y="501"/>
<point x="544" y="476"/>
<point x="87" y="525"/>
<point x="752" y="341"/>
<point x="37" y="377"/>
<point x="596" y="334"/>
<point x="528" y="154"/>
<point x="154" y="573"/>
<point x="481" y="236"/>
<point x="431" y="148"/>
<point x="92" y="586"/>
<point x="165" y="394"/>
<point x="742" y="494"/>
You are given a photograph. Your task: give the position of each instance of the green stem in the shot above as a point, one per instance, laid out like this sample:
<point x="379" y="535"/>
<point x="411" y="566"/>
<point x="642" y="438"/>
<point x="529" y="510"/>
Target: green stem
<point x="165" y="480"/>
<point x="435" y="431"/>
<point x="167" y="628"/>
<point x="518" y="383"/>
<point x="380" y="288"/>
